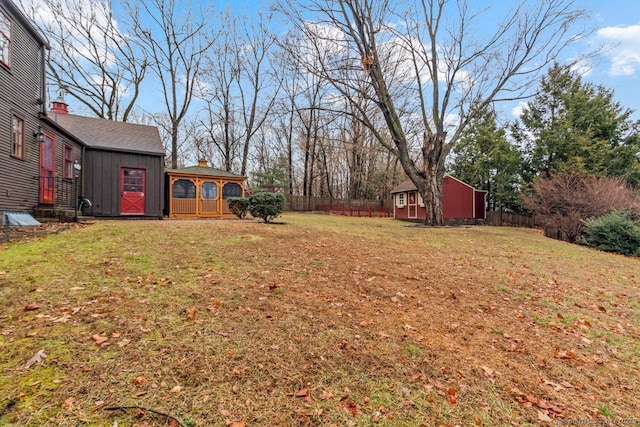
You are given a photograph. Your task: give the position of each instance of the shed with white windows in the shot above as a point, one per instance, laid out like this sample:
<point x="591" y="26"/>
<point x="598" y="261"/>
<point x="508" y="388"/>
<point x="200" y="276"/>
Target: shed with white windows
<point x="459" y="201"/>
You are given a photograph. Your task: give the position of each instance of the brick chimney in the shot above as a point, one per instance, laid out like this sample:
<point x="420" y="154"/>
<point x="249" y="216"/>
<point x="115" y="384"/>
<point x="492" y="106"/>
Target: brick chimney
<point x="202" y="163"/>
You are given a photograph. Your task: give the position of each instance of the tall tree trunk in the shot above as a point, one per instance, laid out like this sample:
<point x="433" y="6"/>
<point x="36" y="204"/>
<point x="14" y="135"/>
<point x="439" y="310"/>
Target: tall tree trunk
<point x="174" y="147"/>
<point x="431" y="190"/>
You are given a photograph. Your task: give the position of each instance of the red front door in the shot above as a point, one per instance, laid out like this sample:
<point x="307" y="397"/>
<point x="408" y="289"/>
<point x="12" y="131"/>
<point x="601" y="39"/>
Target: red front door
<point x="132" y="192"/>
<point x="47" y="170"/>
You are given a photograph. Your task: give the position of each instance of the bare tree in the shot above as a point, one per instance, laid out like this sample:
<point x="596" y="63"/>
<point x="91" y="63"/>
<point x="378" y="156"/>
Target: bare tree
<point x="259" y="85"/>
<point x="92" y="56"/>
<point x="219" y="117"/>
<point x="428" y="69"/>
<point x="241" y="87"/>
<point x="176" y="37"/>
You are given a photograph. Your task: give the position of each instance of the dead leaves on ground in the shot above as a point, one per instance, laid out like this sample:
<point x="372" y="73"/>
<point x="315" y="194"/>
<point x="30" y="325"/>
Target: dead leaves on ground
<point x="35" y="359"/>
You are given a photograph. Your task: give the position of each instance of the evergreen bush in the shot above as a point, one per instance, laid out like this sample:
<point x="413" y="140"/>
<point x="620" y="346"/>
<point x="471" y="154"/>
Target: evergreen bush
<point x="266" y="206"/>
<point x="239" y="206"/>
<point x="614" y="232"/>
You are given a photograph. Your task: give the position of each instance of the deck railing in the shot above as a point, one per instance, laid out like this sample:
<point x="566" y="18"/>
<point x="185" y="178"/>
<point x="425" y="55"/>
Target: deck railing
<point x="64" y="192"/>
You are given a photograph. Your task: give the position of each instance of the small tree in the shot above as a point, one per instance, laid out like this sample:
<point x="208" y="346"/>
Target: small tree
<point x="266" y="206"/>
<point x="239" y="206"/>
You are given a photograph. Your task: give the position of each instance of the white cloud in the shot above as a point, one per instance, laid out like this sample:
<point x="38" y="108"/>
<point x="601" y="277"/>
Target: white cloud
<point x="517" y="110"/>
<point x="581" y="66"/>
<point x="622" y="48"/>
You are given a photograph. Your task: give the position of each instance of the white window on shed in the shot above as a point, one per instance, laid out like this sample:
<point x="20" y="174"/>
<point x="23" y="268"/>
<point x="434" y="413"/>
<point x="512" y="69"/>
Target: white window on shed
<point x="401" y="200"/>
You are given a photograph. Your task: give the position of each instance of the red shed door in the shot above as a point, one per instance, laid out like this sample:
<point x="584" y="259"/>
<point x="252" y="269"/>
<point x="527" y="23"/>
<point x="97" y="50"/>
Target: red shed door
<point x="412" y="204"/>
<point x="47" y="169"/>
<point x="132" y="200"/>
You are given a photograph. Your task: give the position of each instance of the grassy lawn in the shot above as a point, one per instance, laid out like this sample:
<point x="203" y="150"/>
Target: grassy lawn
<point x="319" y="321"/>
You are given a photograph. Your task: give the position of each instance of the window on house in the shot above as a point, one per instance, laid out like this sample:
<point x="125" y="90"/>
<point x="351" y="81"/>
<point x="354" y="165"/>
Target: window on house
<point x="68" y="162"/>
<point x="5" y="40"/>
<point x="17" y="140"/>
<point x="420" y="200"/>
<point x="401" y="200"/>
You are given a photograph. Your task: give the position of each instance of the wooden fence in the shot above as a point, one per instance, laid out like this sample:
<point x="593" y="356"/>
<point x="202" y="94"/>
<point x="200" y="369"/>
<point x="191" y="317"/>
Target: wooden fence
<point x="384" y="209"/>
<point x="500" y="218"/>
<point x="348" y="207"/>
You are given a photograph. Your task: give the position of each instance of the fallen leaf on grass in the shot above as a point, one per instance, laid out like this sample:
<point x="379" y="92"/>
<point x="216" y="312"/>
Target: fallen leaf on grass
<point x="544" y="417"/>
<point x="62" y="319"/>
<point x="31" y="307"/>
<point x="123" y="342"/>
<point x="191" y="312"/>
<point x="488" y="372"/>
<point x="139" y="380"/>
<point x="68" y="404"/>
<point x="452" y="395"/>
<point x="101" y="340"/>
<point x="326" y="395"/>
<point x="176" y="389"/>
<point x="302" y="393"/>
<point x="35" y="359"/>
<point x="564" y="354"/>
<point x="353" y="407"/>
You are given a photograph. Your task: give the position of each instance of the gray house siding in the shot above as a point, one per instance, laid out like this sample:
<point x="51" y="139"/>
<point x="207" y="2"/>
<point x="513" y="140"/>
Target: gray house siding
<point x="22" y="95"/>
<point x="102" y="183"/>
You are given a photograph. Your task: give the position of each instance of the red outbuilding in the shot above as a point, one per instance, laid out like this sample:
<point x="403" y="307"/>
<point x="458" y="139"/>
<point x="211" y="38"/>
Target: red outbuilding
<point x="459" y="201"/>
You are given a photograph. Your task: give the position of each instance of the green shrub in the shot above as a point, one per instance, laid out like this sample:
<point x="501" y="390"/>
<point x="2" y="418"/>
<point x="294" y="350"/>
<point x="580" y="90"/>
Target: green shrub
<point x="239" y="206"/>
<point x="266" y="206"/>
<point x="614" y="232"/>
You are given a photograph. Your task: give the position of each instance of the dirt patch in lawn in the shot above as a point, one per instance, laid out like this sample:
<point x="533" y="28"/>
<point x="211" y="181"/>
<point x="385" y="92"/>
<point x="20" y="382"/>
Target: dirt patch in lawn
<point x="321" y="320"/>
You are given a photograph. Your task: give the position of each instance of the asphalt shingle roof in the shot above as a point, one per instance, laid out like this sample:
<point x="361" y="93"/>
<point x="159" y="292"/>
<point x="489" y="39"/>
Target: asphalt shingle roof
<point x="204" y="170"/>
<point x="407" y="185"/>
<point x="111" y="135"/>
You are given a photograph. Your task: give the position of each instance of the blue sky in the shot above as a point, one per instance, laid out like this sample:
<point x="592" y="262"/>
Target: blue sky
<point x="617" y="25"/>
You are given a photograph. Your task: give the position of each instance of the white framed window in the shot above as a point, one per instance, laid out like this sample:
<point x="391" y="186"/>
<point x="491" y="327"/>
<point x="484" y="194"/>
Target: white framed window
<point x="420" y="200"/>
<point x="17" y="139"/>
<point x="401" y="200"/>
<point x="5" y="40"/>
<point x="67" y="161"/>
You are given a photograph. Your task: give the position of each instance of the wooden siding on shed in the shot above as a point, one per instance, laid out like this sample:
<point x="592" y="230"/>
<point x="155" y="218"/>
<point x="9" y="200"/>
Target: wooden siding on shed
<point x="457" y="199"/>
<point x="102" y="181"/>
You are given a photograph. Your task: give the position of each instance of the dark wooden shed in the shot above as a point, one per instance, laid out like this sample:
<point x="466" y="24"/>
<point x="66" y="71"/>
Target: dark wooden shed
<point x="459" y="201"/>
<point x="123" y="166"/>
<point x="201" y="191"/>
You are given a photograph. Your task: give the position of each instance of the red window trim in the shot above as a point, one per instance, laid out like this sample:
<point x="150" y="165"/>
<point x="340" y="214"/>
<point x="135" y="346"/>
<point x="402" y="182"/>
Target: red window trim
<point x="9" y="38"/>
<point x="67" y="162"/>
<point x="17" y="147"/>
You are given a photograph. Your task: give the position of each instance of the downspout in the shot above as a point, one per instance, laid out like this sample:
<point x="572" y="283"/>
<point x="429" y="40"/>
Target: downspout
<point x="43" y="86"/>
